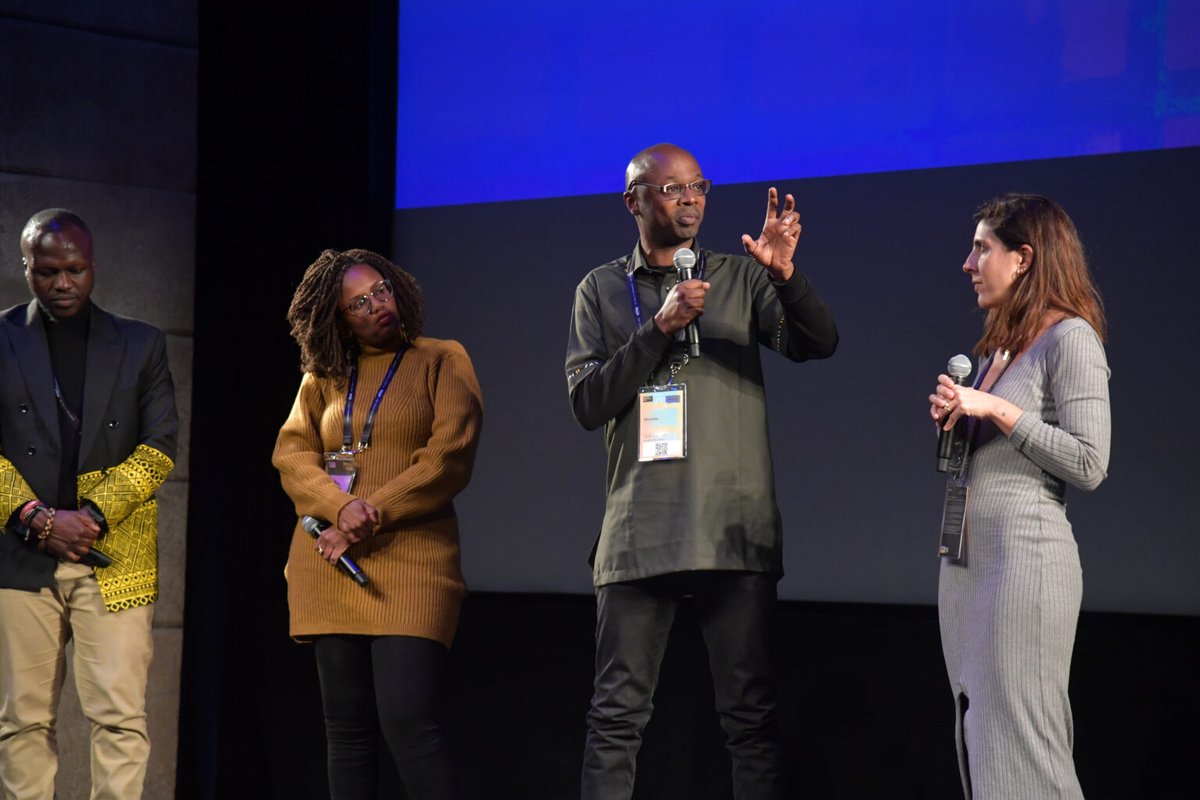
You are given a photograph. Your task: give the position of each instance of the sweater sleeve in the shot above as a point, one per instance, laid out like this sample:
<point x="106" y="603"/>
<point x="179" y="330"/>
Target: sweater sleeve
<point x="442" y="467"/>
<point x="300" y="456"/>
<point x="1075" y="450"/>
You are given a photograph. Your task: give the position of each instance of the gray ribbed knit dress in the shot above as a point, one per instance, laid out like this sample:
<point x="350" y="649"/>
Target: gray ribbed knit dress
<point x="1009" y="608"/>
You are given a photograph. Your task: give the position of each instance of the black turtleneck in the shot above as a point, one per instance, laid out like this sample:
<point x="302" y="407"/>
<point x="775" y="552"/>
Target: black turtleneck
<point x="68" y="339"/>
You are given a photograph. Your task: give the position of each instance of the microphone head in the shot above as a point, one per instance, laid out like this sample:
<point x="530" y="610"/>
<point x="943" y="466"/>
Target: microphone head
<point x="959" y="367"/>
<point x="684" y="258"/>
<point x="313" y="526"/>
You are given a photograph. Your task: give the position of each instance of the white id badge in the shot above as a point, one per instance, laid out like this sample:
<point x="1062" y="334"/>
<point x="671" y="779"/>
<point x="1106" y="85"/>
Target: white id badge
<point x="341" y="466"/>
<point x="662" y="422"/>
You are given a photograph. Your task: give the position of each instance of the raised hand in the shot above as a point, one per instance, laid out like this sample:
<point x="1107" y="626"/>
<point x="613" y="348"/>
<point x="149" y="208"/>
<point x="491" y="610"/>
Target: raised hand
<point x="777" y="242"/>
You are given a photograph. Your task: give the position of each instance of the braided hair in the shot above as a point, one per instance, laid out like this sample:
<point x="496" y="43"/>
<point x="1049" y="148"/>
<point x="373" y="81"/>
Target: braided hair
<point x="327" y="348"/>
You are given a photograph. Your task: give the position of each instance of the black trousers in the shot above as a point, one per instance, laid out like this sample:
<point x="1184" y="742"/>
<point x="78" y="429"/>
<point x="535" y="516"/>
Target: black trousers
<point x="736" y="613"/>
<point x="394" y="685"/>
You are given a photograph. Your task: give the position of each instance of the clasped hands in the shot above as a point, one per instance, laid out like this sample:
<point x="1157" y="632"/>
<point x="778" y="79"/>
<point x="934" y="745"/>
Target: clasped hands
<point x="71" y="536"/>
<point x="357" y="520"/>
<point x="951" y="402"/>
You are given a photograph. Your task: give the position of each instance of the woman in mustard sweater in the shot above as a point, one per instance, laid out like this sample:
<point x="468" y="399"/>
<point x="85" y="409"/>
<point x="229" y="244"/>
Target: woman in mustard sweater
<point x="381" y="438"/>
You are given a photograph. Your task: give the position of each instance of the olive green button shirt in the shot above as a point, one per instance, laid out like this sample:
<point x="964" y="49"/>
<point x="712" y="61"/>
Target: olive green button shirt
<point x="716" y="509"/>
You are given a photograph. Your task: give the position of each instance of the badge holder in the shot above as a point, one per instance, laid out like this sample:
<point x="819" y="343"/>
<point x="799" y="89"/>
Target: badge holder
<point x="341" y="466"/>
<point x="954" y="509"/>
<point x="662" y="422"/>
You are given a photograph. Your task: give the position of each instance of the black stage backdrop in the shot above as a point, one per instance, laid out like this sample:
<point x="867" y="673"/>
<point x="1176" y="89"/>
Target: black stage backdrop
<point x="297" y="117"/>
<point x="852" y="444"/>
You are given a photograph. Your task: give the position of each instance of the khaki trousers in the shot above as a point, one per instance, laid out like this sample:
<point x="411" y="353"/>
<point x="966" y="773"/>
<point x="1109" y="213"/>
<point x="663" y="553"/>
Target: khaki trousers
<point x="111" y="663"/>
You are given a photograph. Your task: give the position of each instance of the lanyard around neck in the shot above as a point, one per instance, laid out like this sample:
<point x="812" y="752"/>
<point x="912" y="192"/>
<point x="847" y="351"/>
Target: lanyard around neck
<point x="76" y="425"/>
<point x="364" y="441"/>
<point x="973" y="423"/>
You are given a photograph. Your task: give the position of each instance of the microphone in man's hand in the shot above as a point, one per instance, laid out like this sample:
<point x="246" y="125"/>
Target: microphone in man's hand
<point x="313" y="527"/>
<point x="96" y="558"/>
<point x="685" y="264"/>
<point x="958" y="369"/>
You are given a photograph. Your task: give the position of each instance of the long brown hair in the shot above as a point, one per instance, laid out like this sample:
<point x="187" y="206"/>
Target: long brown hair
<point x="326" y="346"/>
<point x="1057" y="279"/>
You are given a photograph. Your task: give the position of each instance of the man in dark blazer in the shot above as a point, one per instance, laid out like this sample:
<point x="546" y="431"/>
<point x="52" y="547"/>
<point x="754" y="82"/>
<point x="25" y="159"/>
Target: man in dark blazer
<point x="87" y="435"/>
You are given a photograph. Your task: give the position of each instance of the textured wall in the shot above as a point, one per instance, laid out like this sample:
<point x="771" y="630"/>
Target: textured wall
<point x="99" y="116"/>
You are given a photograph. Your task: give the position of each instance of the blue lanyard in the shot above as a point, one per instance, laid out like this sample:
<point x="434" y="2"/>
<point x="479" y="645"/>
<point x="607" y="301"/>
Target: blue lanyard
<point x="347" y="432"/>
<point x="633" y="295"/>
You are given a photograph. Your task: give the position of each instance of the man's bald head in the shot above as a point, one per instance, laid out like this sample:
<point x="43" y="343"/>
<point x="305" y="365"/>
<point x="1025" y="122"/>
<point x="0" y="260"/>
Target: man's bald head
<point x="651" y="158"/>
<point x="56" y="247"/>
<point x="49" y="220"/>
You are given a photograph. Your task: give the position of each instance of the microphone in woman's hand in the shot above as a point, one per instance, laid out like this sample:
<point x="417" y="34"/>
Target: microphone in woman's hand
<point x="958" y="369"/>
<point x="313" y="527"/>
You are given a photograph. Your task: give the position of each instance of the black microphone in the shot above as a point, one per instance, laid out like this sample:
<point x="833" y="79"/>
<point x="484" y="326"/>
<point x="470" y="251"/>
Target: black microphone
<point x="96" y="558"/>
<point x="685" y="264"/>
<point x="313" y="527"/>
<point x="958" y="369"/>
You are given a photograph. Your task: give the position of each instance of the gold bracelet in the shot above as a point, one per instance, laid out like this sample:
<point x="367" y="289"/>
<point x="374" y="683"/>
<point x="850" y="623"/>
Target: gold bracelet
<point x="45" y="532"/>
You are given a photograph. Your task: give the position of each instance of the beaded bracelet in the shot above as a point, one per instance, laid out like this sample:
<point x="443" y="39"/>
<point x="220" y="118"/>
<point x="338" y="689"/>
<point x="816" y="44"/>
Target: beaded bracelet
<point x="45" y="532"/>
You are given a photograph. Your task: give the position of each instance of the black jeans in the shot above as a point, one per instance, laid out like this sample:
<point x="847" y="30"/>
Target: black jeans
<point x="394" y="685"/>
<point x="736" y="612"/>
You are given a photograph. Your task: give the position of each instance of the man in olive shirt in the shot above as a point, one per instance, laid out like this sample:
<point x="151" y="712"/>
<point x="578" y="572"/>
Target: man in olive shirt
<point x="690" y="508"/>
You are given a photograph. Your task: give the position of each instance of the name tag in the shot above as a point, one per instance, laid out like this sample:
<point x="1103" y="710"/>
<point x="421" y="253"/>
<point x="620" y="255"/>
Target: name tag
<point x="954" y="519"/>
<point x="342" y="467"/>
<point x="662" y="422"/>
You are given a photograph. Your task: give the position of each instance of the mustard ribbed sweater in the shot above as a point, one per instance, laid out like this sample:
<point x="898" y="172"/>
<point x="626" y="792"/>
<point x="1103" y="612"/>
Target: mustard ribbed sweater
<point x="421" y="454"/>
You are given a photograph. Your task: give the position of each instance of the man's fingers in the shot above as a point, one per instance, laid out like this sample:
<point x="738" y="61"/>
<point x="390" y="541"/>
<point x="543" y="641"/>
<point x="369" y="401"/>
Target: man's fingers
<point x="772" y="203"/>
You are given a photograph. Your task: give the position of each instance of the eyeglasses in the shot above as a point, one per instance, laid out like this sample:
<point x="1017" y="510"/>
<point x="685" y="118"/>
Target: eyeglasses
<point x="700" y="187"/>
<point x="362" y="305"/>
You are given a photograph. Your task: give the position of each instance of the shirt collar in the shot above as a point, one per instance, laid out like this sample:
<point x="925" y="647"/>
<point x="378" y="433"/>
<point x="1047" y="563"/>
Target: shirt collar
<point x="637" y="261"/>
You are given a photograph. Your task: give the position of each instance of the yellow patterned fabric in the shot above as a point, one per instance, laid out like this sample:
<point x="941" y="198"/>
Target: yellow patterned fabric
<point x="125" y="494"/>
<point x="14" y="491"/>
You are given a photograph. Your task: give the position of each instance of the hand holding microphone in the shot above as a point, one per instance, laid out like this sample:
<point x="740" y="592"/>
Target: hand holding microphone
<point x="685" y="264"/>
<point x="958" y="368"/>
<point x="685" y="302"/>
<point x="314" y="527"/>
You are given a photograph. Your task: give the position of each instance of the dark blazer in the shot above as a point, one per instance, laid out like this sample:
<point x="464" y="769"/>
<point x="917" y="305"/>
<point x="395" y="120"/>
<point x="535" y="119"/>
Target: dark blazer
<point x="128" y="400"/>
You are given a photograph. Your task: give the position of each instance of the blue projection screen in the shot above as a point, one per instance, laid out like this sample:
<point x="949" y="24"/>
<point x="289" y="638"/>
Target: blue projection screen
<point x="536" y="99"/>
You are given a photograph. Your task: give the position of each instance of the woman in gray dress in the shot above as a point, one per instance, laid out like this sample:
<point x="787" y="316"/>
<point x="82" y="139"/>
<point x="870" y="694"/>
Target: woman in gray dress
<point x="1038" y="419"/>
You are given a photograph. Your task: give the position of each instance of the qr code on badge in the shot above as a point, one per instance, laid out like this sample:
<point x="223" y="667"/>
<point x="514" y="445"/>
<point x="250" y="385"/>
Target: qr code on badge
<point x="660" y="448"/>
